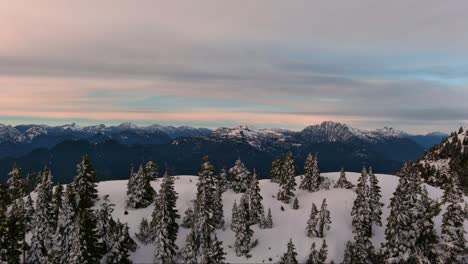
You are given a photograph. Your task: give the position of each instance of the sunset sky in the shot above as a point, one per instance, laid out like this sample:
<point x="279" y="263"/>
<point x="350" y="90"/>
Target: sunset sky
<point x="268" y="63"/>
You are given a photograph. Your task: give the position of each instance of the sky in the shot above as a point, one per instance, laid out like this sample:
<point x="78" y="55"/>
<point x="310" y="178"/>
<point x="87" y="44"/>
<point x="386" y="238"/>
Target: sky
<point x="267" y="63"/>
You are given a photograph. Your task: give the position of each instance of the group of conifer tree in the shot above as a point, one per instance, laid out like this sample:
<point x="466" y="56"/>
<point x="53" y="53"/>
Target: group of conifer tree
<point x="63" y="226"/>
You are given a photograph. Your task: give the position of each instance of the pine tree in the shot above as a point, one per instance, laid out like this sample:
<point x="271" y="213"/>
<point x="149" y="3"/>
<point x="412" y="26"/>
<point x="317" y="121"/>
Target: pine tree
<point x="89" y="248"/>
<point x="295" y="203"/>
<point x="152" y="170"/>
<point x="188" y="219"/>
<point x="243" y="231"/>
<point x="85" y="184"/>
<point x="139" y="191"/>
<point x="3" y="234"/>
<point x="453" y="232"/>
<point x="375" y="197"/>
<point x="322" y="254"/>
<point x="313" y="255"/>
<point x="290" y="256"/>
<point x="190" y="251"/>
<point x="144" y="234"/>
<point x="349" y="254"/>
<point x="234" y="217"/>
<point x="163" y="225"/>
<point x="43" y="226"/>
<point x="288" y="184"/>
<point x="105" y="224"/>
<point x="343" y="182"/>
<point x="65" y="228"/>
<point x="310" y="181"/>
<point x="15" y="183"/>
<point x="312" y="223"/>
<point x="268" y="224"/>
<point x="361" y="211"/>
<point x="324" y="219"/>
<point x="428" y="240"/>
<point x="256" y="207"/>
<point x="222" y="180"/>
<point x="205" y="207"/>
<point x="121" y="246"/>
<point x="15" y="232"/>
<point x="276" y="170"/>
<point x="316" y="173"/>
<point x="218" y="212"/>
<point x="29" y="213"/>
<point x="215" y="254"/>
<point x="57" y="201"/>
<point x="240" y="177"/>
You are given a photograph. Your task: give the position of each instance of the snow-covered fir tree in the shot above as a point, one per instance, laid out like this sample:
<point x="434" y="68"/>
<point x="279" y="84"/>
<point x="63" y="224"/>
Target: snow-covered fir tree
<point x="375" y="197"/>
<point x="234" y="216"/>
<point x="276" y="170"/>
<point x="312" y="223"/>
<point x="240" y="177"/>
<point x="318" y="256"/>
<point x="205" y="221"/>
<point x="349" y="254"/>
<point x="3" y="235"/>
<point x="105" y="223"/>
<point x="453" y="233"/>
<point x="163" y="224"/>
<point x="85" y="183"/>
<point x="290" y="257"/>
<point x="66" y="228"/>
<point x="43" y="225"/>
<point x="88" y="250"/>
<point x="295" y="203"/>
<point x="215" y="254"/>
<point x="311" y="180"/>
<point x="57" y="200"/>
<point x="222" y="180"/>
<point x="243" y="232"/>
<point x="342" y="182"/>
<point x="324" y="220"/>
<point x="288" y="184"/>
<point x="15" y="232"/>
<point x="144" y="232"/>
<point x="188" y="219"/>
<point x="28" y="213"/>
<point x="140" y="194"/>
<point x="122" y="245"/>
<point x="190" y="251"/>
<point x="15" y="183"/>
<point x="256" y="206"/>
<point x="152" y="170"/>
<point x="361" y="211"/>
<point x="428" y="240"/>
<point x="267" y="223"/>
<point x="218" y="212"/>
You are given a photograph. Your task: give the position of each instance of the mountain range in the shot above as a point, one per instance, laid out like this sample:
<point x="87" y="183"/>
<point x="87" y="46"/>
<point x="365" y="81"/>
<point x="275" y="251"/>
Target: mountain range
<point x="114" y="148"/>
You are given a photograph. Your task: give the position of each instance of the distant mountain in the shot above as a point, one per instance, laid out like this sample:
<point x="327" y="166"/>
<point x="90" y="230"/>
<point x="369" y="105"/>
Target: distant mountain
<point x="112" y="149"/>
<point x="448" y="157"/>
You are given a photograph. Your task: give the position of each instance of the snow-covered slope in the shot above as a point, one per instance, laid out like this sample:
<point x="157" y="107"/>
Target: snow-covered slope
<point x="286" y="224"/>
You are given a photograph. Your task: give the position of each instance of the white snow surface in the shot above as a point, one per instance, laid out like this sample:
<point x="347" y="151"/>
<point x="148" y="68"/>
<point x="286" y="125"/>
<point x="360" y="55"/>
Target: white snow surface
<point x="286" y="224"/>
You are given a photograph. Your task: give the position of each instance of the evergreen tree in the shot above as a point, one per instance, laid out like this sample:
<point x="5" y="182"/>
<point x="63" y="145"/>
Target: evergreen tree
<point x="105" y="224"/>
<point x="66" y="228"/>
<point x="57" y="201"/>
<point x="316" y="172"/>
<point x="322" y="254"/>
<point x="15" y="232"/>
<point x="43" y="226"/>
<point x="121" y="246"/>
<point x="144" y="234"/>
<point x="205" y="207"/>
<point x="312" y="223"/>
<point x="288" y="184"/>
<point x="290" y="256"/>
<point x="163" y="225"/>
<point x="218" y="212"/>
<point x="453" y="232"/>
<point x="311" y="179"/>
<point x="256" y="207"/>
<point x="296" y="203"/>
<point x="313" y="255"/>
<point x="349" y="254"/>
<point x="243" y="231"/>
<point x="240" y="177"/>
<point x="15" y="183"/>
<point x="234" y="217"/>
<point x="187" y="221"/>
<point x="85" y="184"/>
<point x="29" y="213"/>
<point x="361" y="211"/>
<point x="3" y="234"/>
<point x="268" y="223"/>
<point x="139" y="191"/>
<point x="428" y="240"/>
<point x="276" y="170"/>
<point x="152" y="170"/>
<point x="215" y="254"/>
<point x="343" y="182"/>
<point x="190" y="251"/>
<point x="222" y="180"/>
<point x="324" y="220"/>
<point x="375" y="197"/>
<point x="89" y="249"/>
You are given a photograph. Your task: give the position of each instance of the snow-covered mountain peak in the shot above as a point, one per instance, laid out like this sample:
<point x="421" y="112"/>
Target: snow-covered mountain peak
<point x="9" y="133"/>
